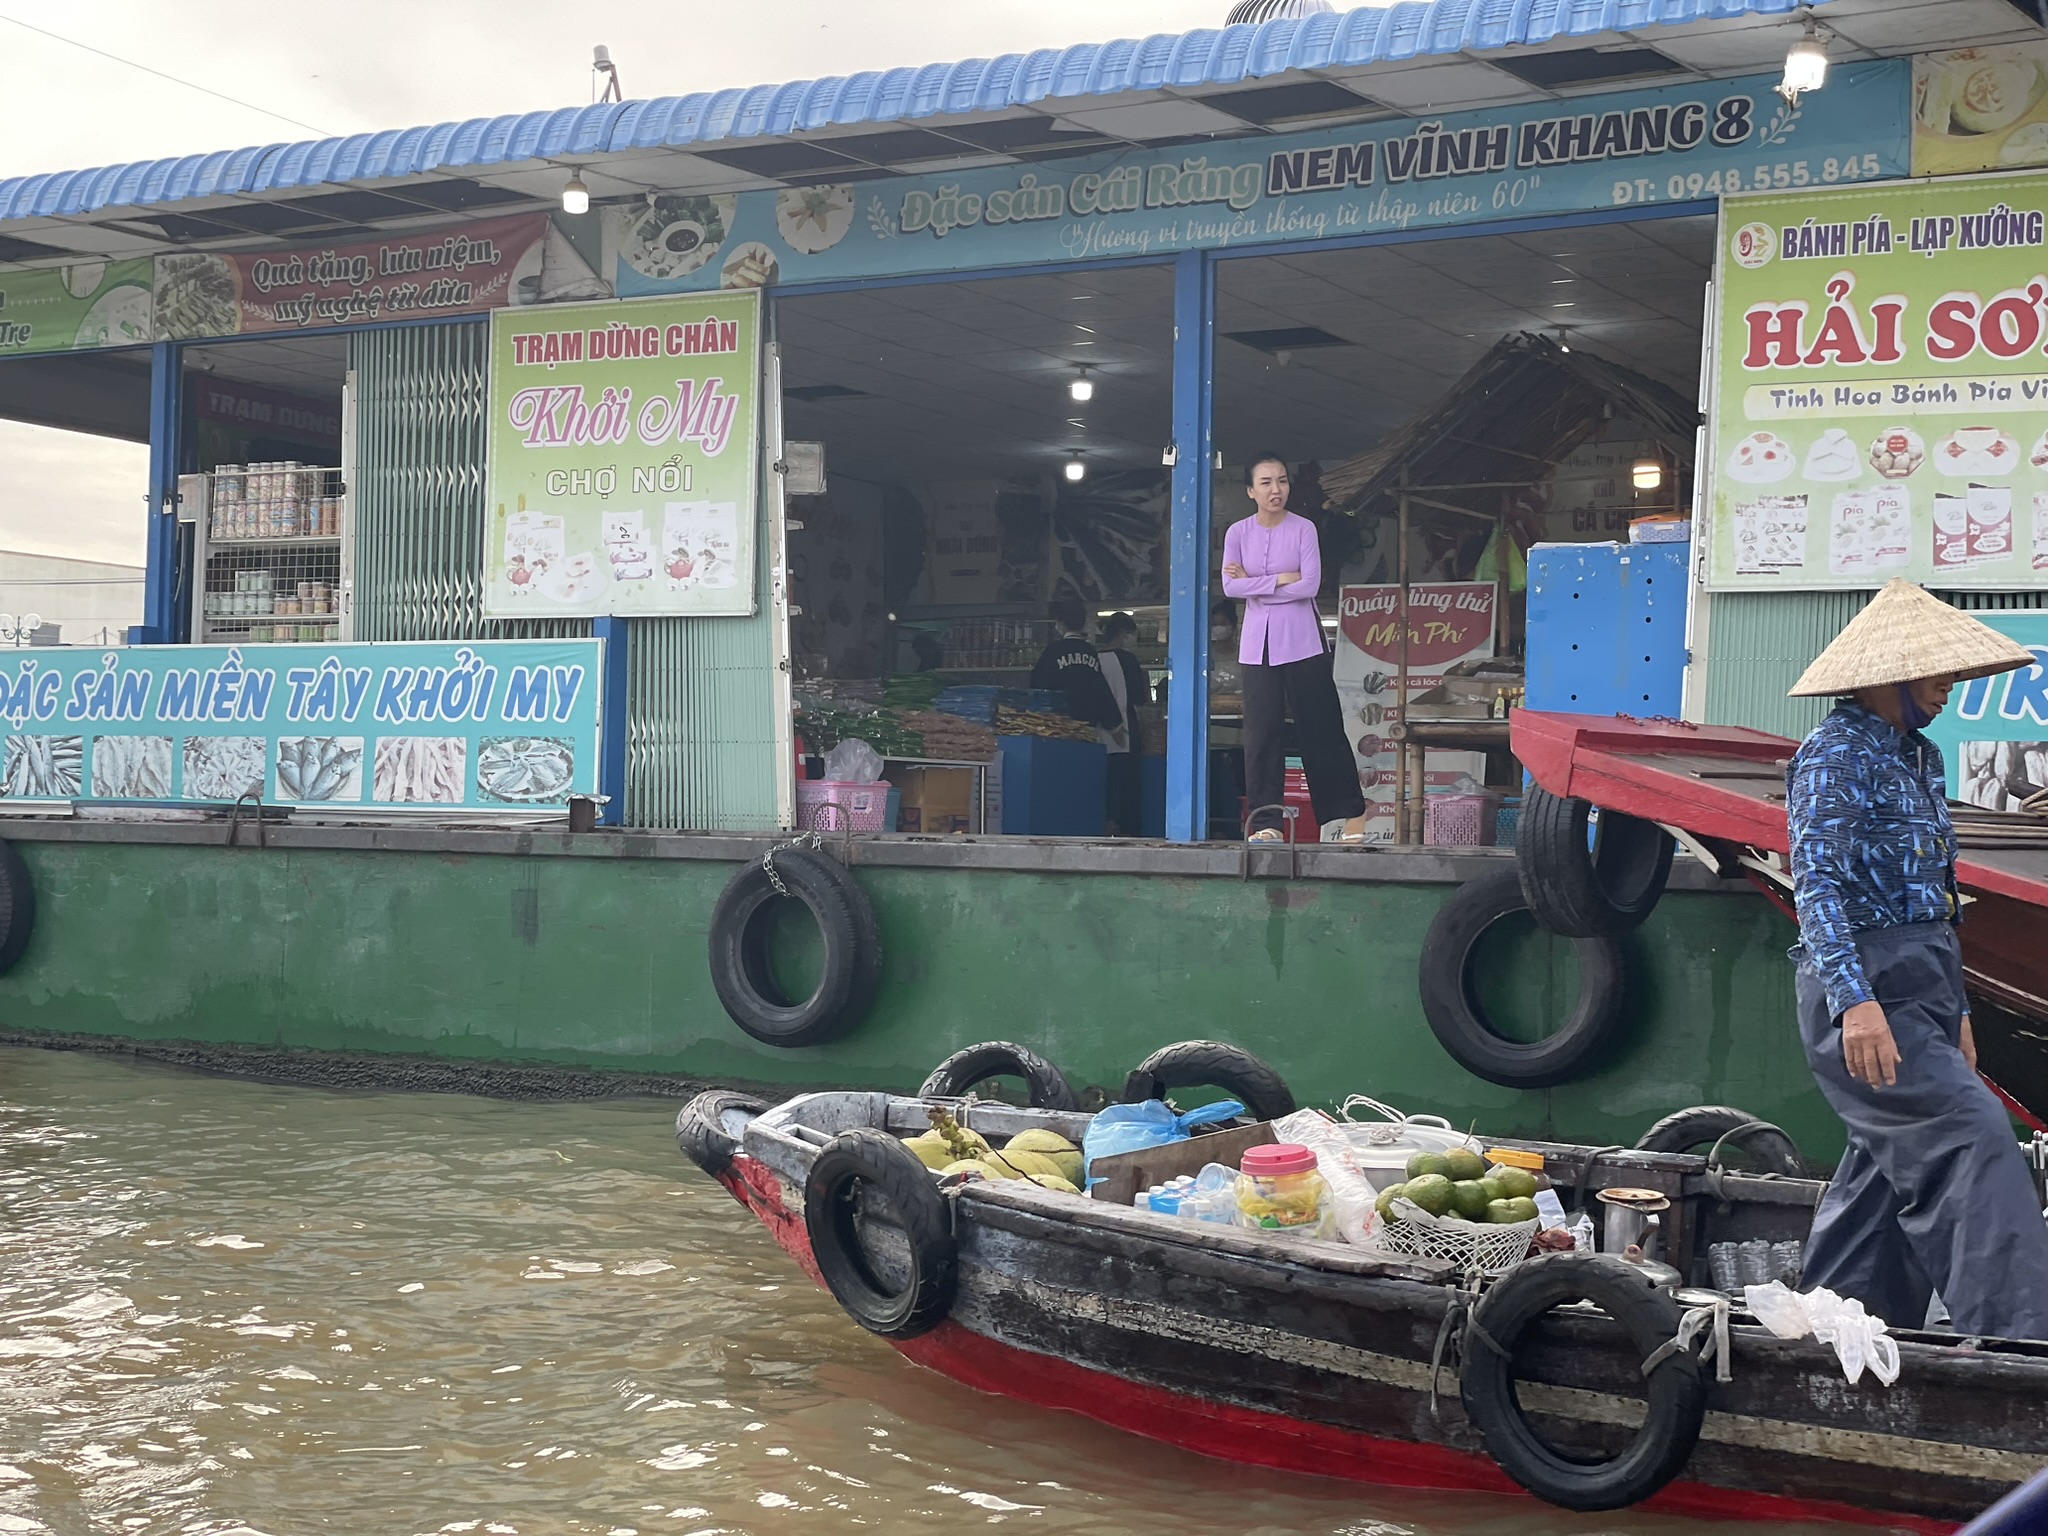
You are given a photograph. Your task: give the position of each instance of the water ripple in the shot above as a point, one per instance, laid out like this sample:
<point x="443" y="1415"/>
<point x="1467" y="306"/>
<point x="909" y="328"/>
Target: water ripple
<point x="228" y="1309"/>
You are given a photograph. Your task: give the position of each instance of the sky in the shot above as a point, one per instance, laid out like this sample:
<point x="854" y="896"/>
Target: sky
<point x="373" y="64"/>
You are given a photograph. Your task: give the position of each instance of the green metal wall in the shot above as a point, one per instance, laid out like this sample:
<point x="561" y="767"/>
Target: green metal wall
<point x="1759" y="642"/>
<point x="700" y="697"/>
<point x="600" y="962"/>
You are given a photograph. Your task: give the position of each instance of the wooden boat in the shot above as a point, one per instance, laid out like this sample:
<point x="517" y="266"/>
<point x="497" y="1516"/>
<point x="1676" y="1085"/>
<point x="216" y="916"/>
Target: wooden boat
<point x="1722" y="788"/>
<point x="1322" y="1357"/>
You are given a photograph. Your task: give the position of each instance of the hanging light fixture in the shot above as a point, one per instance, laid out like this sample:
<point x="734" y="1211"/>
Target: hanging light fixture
<point x="1564" y="341"/>
<point x="1083" y="388"/>
<point x="1648" y="473"/>
<point x="1076" y="470"/>
<point x="1806" y="64"/>
<point x="575" y="195"/>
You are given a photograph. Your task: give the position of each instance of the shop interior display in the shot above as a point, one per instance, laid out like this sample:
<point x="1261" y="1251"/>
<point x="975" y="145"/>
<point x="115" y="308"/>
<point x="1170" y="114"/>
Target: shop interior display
<point x="1529" y="389"/>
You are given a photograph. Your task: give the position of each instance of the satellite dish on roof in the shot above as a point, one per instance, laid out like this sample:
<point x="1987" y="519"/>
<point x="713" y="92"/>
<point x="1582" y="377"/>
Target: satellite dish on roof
<point x="1252" y="12"/>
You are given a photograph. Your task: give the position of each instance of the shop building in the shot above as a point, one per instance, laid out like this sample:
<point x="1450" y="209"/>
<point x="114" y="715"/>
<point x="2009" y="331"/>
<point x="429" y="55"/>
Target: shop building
<point x="836" y="385"/>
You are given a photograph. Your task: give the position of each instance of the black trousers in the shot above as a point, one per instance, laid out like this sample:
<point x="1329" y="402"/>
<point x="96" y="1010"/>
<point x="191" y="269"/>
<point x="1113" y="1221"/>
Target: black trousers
<point x="1126" y="792"/>
<point x="1306" y="690"/>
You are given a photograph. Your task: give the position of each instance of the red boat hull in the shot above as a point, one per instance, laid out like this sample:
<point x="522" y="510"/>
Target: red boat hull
<point x="1233" y="1433"/>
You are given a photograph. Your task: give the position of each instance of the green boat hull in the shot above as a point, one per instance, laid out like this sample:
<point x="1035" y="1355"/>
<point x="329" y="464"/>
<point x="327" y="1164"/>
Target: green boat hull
<point x="544" y="949"/>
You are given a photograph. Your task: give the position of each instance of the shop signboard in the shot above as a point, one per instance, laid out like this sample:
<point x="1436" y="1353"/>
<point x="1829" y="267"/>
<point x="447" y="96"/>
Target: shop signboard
<point x="1448" y="622"/>
<point x="1980" y="109"/>
<point x="1994" y="734"/>
<point x="87" y="304"/>
<point x="1880" y="390"/>
<point x="621" y="458"/>
<point x="415" y="276"/>
<point x="1633" y="149"/>
<point x="495" y="725"/>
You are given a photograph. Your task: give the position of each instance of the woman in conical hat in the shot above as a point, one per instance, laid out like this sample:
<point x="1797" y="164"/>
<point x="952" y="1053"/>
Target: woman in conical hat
<point x="1931" y="1192"/>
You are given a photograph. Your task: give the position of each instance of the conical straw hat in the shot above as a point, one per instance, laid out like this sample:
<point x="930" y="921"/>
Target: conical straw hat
<point x="1905" y="634"/>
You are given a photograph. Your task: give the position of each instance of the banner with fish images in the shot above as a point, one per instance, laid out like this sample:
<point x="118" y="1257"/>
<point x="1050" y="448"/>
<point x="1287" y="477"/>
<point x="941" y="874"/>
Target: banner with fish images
<point x="479" y="726"/>
<point x="621" y="449"/>
<point x="1880" y="387"/>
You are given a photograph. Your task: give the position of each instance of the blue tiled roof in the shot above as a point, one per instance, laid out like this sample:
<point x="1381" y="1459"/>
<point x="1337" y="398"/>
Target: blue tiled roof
<point x="1212" y="56"/>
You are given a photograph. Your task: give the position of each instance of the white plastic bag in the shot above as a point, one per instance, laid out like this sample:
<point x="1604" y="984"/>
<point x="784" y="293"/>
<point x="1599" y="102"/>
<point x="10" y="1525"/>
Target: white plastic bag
<point x="1861" y="1341"/>
<point x="853" y="761"/>
<point x="1351" y="1192"/>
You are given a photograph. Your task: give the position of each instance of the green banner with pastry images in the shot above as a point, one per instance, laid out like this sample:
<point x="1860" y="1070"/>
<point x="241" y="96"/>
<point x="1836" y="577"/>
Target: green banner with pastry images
<point x="87" y="304"/>
<point x="1880" y="387"/>
<point x="622" y="456"/>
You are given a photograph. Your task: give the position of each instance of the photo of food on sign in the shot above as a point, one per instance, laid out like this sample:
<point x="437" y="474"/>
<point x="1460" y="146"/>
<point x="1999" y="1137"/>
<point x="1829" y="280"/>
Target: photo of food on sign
<point x="1980" y="109"/>
<point x="1878" y="382"/>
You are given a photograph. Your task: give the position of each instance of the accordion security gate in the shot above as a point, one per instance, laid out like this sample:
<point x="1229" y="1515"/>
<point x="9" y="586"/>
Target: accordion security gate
<point x="700" y="694"/>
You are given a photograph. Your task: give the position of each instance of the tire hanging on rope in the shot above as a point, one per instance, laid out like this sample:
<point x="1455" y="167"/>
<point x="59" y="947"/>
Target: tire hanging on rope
<point x="898" y="1288"/>
<point x="960" y="1071"/>
<point x="741" y="924"/>
<point x="1211" y="1064"/>
<point x="1706" y="1126"/>
<point x="1450" y="999"/>
<point x="1585" y="878"/>
<point x="1649" y="1316"/>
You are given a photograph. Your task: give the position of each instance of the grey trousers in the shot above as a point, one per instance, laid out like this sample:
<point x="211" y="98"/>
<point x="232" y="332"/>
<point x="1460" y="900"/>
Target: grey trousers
<point x="1932" y="1192"/>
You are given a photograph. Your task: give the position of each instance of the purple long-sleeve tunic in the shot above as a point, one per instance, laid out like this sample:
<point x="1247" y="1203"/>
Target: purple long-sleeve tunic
<point x="1279" y="623"/>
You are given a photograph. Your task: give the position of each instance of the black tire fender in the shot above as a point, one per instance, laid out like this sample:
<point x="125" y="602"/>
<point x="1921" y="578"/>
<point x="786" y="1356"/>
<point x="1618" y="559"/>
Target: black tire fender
<point x="1698" y="1130"/>
<point x="1211" y="1064"/>
<point x="17" y="906"/>
<point x="836" y="1207"/>
<point x="1450" y="1002"/>
<point x="1584" y="882"/>
<point x="852" y="968"/>
<point x="999" y="1058"/>
<point x="1648" y="1315"/>
<point x="708" y="1127"/>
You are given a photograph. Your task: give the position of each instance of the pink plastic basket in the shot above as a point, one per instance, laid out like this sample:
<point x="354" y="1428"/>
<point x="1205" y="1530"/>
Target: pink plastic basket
<point x="832" y="805"/>
<point x="1461" y="821"/>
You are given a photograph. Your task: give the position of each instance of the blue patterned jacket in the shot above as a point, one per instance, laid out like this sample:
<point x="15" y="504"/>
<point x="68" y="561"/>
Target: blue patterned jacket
<point x="1872" y="843"/>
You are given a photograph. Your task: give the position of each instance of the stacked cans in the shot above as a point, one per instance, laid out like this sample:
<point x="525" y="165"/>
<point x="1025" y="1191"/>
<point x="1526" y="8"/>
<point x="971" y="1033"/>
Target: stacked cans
<point x="281" y="499"/>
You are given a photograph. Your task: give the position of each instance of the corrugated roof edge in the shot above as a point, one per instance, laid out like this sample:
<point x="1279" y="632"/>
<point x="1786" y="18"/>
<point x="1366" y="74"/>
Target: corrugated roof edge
<point x="1413" y="29"/>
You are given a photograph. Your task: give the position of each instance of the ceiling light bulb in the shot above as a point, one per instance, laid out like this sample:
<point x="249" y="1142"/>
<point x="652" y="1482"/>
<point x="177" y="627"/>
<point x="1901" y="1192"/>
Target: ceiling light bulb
<point x="1083" y="388"/>
<point x="1648" y="474"/>
<point x="575" y="195"/>
<point x="1806" y="65"/>
<point x="1075" y="468"/>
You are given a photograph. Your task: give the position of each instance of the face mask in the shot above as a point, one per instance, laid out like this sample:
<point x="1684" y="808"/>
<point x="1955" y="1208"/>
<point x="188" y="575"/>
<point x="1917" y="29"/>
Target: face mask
<point x="1219" y="631"/>
<point x="1910" y="713"/>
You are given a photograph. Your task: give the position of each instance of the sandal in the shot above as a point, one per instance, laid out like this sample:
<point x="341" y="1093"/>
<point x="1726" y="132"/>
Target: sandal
<point x="1266" y="835"/>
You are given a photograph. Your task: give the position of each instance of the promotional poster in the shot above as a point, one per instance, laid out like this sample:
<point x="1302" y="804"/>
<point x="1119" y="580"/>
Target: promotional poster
<point x="622" y="446"/>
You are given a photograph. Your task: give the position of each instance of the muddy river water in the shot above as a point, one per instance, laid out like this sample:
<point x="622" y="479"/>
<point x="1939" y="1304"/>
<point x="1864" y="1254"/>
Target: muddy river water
<point x="230" y="1308"/>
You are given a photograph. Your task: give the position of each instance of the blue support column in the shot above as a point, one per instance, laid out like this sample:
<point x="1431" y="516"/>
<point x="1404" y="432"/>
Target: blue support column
<point x="160" y="593"/>
<point x="611" y="725"/>
<point x="1187" y="640"/>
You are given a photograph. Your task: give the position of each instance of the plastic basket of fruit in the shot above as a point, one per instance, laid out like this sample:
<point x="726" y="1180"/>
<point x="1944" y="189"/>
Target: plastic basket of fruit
<point x="1489" y="1247"/>
<point x="1456" y="1205"/>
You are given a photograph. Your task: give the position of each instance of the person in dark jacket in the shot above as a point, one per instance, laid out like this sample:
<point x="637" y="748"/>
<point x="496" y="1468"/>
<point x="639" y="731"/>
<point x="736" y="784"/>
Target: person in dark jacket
<point x="1071" y="666"/>
<point x="1126" y="681"/>
<point x="1932" y="1191"/>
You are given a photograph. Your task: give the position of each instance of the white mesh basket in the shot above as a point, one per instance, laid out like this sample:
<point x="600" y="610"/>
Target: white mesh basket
<point x="1492" y="1250"/>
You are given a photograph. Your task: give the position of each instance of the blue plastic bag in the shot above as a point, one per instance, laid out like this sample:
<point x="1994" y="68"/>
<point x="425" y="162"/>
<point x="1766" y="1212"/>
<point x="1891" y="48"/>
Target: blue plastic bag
<point x="1149" y="1123"/>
